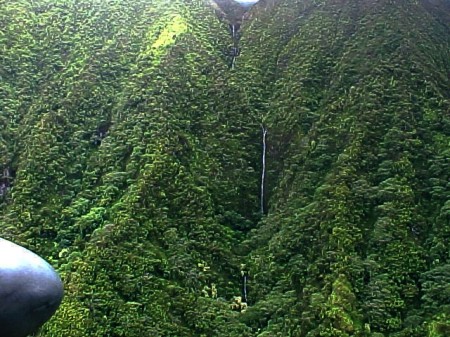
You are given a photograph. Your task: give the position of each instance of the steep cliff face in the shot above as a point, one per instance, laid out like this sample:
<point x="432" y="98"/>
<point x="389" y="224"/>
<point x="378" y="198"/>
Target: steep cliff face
<point x="130" y="165"/>
<point x="132" y="157"/>
<point x="354" y="97"/>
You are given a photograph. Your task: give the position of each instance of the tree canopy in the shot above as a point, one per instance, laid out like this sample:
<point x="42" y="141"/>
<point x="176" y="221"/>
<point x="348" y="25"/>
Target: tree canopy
<point x="131" y="158"/>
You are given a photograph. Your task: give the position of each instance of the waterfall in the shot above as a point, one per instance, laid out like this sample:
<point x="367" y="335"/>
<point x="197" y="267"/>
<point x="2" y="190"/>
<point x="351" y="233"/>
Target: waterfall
<point x="233" y="31"/>
<point x="234" y="49"/>
<point x="244" y="274"/>
<point x="245" y="288"/>
<point x="233" y="62"/>
<point x="263" y="174"/>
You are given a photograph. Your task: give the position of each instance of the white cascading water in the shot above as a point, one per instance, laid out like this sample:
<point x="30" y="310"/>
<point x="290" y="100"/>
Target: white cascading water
<point x="233" y="31"/>
<point x="263" y="174"/>
<point x="245" y="288"/>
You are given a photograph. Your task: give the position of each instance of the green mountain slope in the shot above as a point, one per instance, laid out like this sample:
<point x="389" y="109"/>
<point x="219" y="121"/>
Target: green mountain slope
<point x="356" y="103"/>
<point x="132" y="159"/>
<point x="124" y="159"/>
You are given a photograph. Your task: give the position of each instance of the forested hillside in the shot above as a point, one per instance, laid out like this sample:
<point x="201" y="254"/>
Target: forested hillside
<point x="193" y="168"/>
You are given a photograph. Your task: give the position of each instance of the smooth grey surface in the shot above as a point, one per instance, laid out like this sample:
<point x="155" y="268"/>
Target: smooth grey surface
<point x="30" y="290"/>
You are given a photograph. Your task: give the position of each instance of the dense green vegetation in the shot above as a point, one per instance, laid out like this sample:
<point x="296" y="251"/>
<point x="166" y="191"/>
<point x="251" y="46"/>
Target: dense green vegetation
<point x="131" y="159"/>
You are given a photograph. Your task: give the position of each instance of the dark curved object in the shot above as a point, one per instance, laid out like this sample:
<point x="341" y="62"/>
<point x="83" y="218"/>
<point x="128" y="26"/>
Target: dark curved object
<point x="30" y="290"/>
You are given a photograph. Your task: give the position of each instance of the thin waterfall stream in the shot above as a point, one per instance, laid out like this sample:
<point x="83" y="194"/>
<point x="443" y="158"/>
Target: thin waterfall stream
<point x="245" y="288"/>
<point x="233" y="31"/>
<point x="244" y="274"/>
<point x="263" y="173"/>
<point x="234" y="51"/>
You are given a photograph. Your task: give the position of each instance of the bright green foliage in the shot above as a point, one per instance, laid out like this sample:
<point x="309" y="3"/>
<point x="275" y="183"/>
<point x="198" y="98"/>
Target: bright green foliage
<point x="130" y="158"/>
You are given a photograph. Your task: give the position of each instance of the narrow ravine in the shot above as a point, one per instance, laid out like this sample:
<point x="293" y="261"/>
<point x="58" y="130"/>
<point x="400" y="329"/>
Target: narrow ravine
<point x="234" y="13"/>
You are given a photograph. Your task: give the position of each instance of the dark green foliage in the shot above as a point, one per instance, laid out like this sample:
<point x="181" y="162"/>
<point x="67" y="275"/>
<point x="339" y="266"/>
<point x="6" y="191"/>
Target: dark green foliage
<point x="355" y="146"/>
<point x="130" y="157"/>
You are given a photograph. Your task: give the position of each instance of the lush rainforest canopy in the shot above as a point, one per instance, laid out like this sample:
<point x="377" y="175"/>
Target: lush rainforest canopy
<point x="193" y="168"/>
